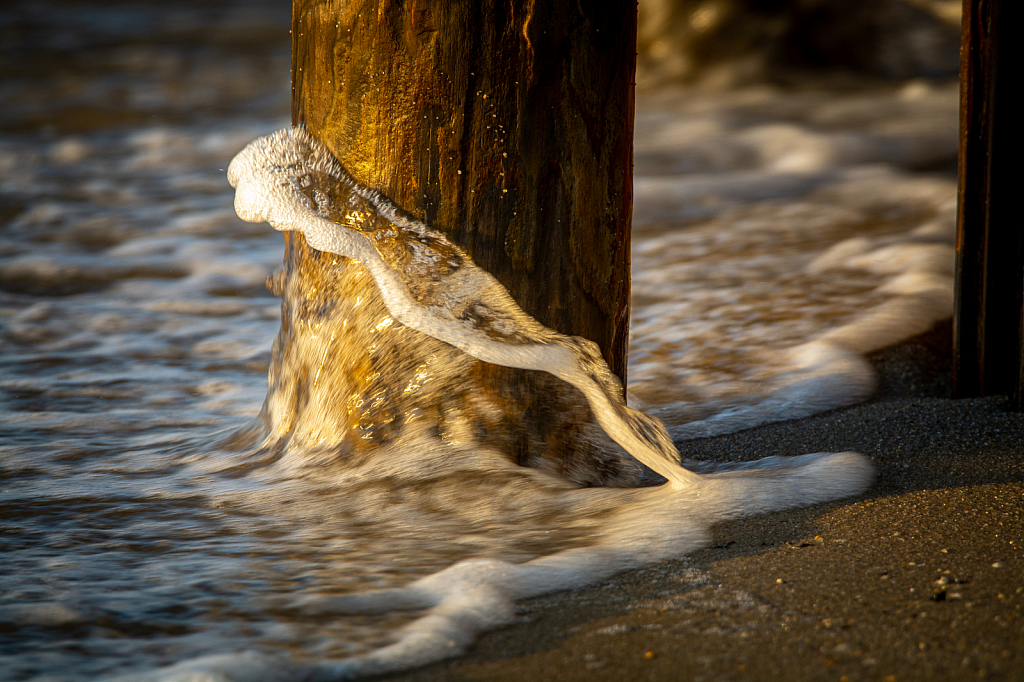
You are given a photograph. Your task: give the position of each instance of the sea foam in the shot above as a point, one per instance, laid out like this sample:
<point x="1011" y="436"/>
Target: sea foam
<point x="637" y="527"/>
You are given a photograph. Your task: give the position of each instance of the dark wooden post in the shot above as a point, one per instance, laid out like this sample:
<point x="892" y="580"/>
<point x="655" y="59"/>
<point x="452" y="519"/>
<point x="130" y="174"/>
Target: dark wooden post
<point x="507" y="126"/>
<point x="988" y="323"/>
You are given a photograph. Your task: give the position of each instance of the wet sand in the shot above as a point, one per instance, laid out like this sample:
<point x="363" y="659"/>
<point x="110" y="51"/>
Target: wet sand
<point x="921" y="578"/>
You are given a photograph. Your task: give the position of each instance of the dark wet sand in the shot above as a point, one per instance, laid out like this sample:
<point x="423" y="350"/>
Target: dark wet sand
<point x="921" y="578"/>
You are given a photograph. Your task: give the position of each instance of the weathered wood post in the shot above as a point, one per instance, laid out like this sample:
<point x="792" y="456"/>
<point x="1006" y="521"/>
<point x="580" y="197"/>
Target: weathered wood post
<point x="988" y="325"/>
<point x="507" y="126"/>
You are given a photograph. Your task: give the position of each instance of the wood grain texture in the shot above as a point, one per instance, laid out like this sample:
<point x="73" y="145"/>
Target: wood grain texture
<point x="508" y="127"/>
<point x="988" y="320"/>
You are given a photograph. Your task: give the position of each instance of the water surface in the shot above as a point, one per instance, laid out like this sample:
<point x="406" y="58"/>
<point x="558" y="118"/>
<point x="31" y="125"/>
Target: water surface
<point x="778" y="237"/>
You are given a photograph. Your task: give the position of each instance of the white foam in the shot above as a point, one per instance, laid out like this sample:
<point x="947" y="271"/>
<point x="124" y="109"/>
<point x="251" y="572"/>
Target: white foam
<point x="114" y="394"/>
<point x="266" y="177"/>
<point x="823" y="376"/>
<point x="728" y="314"/>
<point x="636" y="526"/>
<point x="472" y="596"/>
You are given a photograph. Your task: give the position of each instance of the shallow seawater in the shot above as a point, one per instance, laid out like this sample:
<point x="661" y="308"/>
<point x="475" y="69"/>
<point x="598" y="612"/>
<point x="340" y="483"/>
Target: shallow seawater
<point x="778" y="236"/>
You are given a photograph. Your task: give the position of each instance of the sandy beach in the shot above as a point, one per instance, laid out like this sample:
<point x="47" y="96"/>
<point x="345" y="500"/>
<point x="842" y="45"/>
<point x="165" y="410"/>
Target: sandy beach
<point x="921" y="578"/>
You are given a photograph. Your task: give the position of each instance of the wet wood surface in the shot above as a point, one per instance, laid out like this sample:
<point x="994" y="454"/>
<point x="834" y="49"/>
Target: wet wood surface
<point x="508" y="127"/>
<point x="988" y="325"/>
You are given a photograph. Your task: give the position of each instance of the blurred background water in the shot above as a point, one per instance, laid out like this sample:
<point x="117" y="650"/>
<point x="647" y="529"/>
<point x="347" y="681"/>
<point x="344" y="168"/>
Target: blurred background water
<point x="794" y="207"/>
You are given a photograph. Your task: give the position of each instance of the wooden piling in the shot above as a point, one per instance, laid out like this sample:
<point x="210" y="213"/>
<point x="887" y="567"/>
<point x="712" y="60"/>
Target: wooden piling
<point x="507" y="126"/>
<point x="988" y="323"/>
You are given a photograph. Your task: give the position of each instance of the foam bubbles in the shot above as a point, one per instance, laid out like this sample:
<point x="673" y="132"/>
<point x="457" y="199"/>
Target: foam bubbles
<point x="136" y="329"/>
<point x="627" y="529"/>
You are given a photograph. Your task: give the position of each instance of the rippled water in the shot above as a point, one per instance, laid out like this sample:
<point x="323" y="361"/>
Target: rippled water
<point x="778" y="236"/>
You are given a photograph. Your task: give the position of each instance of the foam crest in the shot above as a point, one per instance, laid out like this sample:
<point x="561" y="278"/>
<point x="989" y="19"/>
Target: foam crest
<point x="279" y="179"/>
<point x="472" y="596"/>
<point x="137" y="332"/>
<point x="464" y="307"/>
<point x="771" y="323"/>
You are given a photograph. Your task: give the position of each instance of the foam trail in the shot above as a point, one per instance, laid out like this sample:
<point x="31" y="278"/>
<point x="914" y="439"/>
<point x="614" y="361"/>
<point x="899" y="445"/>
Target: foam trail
<point x="472" y="311"/>
<point x="469" y="309"/>
<point x="477" y="595"/>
